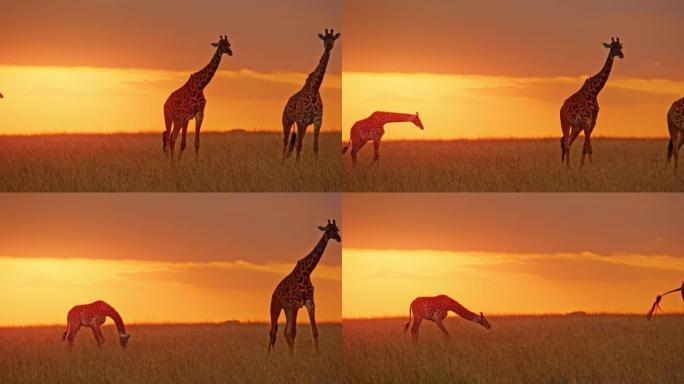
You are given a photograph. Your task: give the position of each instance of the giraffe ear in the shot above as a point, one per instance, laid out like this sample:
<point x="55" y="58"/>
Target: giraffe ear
<point x="214" y="44"/>
<point x="337" y="36"/>
<point x="320" y="36"/>
<point x="321" y="228"/>
<point x="606" y="45"/>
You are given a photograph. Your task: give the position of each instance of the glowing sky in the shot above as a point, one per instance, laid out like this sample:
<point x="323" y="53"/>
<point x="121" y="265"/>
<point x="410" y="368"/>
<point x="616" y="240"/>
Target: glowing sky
<point x="511" y="253"/>
<point x="503" y="69"/>
<point x="161" y="257"/>
<point x="109" y="66"/>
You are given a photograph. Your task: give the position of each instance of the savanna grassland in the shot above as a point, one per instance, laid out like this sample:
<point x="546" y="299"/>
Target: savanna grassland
<point x="512" y="165"/>
<point x="228" y="162"/>
<point x="208" y="353"/>
<point x="518" y="349"/>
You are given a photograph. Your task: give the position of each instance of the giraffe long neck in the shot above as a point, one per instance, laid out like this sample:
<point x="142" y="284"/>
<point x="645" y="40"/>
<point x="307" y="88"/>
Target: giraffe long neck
<point x="118" y="321"/>
<point x="315" y="79"/>
<point x="598" y="81"/>
<point x="462" y="311"/>
<point x="308" y="263"/>
<point x="207" y="73"/>
<point x="391" y="117"/>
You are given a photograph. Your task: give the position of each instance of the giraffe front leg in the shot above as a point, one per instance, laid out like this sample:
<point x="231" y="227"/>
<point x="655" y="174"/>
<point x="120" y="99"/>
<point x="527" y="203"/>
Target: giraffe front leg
<point x="311" y="308"/>
<point x="317" y="129"/>
<point x="568" y="143"/>
<point x="441" y="328"/>
<point x="174" y="135"/>
<point x="98" y="336"/>
<point x="184" y="135"/>
<point x="290" y="328"/>
<point x="198" y="126"/>
<point x="301" y="129"/>
<point x="376" y="151"/>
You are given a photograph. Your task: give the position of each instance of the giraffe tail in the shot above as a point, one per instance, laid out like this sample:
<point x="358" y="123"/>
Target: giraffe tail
<point x="669" y="150"/>
<point x="64" y="335"/>
<point x="290" y="147"/>
<point x="406" y="327"/>
<point x="344" y="150"/>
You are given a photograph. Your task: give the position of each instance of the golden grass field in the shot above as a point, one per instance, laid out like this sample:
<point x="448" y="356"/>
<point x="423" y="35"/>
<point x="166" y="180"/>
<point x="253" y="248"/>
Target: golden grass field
<point x="514" y="165"/>
<point x="208" y="353"/>
<point x="229" y="162"/>
<point x="518" y="349"/>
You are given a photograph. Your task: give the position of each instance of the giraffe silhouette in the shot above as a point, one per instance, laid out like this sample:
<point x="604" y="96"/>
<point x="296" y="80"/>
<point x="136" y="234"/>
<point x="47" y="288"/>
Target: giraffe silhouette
<point x="656" y="306"/>
<point x="305" y="107"/>
<point x="296" y="291"/>
<point x="372" y="128"/>
<point x="436" y="308"/>
<point x="580" y="111"/>
<point x="675" y="124"/>
<point x="188" y="101"/>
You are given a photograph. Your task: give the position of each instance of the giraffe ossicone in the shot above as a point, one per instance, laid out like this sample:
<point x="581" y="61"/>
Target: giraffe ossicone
<point x="188" y="102"/>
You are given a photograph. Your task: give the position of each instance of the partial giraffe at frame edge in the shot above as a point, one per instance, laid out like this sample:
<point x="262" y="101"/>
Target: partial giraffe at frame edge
<point x="675" y="125"/>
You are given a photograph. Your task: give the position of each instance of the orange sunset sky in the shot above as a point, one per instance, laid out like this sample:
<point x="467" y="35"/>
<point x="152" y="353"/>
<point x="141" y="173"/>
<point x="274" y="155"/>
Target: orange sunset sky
<point x="504" y="68"/>
<point x="512" y="253"/>
<point x="161" y="257"/>
<point x="108" y="66"/>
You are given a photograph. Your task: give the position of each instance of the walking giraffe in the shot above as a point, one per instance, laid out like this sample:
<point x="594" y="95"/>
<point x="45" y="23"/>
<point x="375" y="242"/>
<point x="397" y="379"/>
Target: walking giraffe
<point x="656" y="305"/>
<point x="305" y="107"/>
<point x="675" y="124"/>
<point x="580" y="111"/>
<point x="296" y="290"/>
<point x="372" y="128"/>
<point x="435" y="309"/>
<point x="187" y="102"/>
<point x="93" y="315"/>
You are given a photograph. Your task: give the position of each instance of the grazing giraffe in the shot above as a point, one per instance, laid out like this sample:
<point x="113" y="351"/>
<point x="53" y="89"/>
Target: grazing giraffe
<point x="656" y="305"/>
<point x="580" y="111"/>
<point x="675" y="123"/>
<point x="435" y="309"/>
<point x="93" y="315"/>
<point x="372" y="128"/>
<point x="305" y="107"/>
<point x="187" y="102"/>
<point x="296" y="290"/>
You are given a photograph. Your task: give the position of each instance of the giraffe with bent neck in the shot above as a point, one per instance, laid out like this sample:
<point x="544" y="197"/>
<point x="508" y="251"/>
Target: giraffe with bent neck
<point x="296" y="291"/>
<point x="436" y="309"/>
<point x="188" y="102"/>
<point x="372" y="129"/>
<point x="580" y="111"/>
<point x="305" y="107"/>
<point x="93" y="315"/>
<point x="675" y="124"/>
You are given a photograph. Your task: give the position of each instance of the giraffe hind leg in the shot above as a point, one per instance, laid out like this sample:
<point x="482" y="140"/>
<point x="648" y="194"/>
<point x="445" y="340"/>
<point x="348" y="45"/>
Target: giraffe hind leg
<point x="275" y="314"/>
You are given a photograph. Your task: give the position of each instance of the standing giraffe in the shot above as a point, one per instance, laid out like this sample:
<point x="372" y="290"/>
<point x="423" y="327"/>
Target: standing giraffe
<point x="296" y="290"/>
<point x="579" y="111"/>
<point x="187" y="102"/>
<point x="656" y="305"/>
<point x="373" y="128"/>
<point x="675" y="123"/>
<point x="435" y="309"/>
<point x="93" y="315"/>
<point x="305" y="107"/>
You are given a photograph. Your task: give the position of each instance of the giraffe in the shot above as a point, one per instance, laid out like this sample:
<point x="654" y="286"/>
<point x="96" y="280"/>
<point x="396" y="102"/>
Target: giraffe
<point x="675" y="123"/>
<point x="296" y="290"/>
<point x="656" y="305"/>
<point x="435" y="309"/>
<point x="372" y="128"/>
<point x="579" y="111"/>
<point x="305" y="107"/>
<point x="93" y="315"/>
<point x="187" y="102"/>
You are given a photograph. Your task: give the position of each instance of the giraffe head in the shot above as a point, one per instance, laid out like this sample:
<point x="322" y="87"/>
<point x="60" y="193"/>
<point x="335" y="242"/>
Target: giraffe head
<point x="329" y="38"/>
<point x="482" y="321"/>
<point x="615" y="47"/>
<point x="123" y="340"/>
<point x="223" y="45"/>
<point x="331" y="230"/>
<point x="417" y="122"/>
